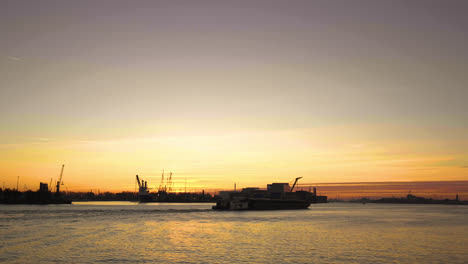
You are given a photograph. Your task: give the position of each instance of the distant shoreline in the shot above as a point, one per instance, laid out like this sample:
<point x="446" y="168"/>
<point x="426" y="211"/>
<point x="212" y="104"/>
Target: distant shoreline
<point x="411" y="199"/>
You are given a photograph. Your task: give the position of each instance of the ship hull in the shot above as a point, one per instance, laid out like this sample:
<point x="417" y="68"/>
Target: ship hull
<point x="262" y="204"/>
<point x="272" y="204"/>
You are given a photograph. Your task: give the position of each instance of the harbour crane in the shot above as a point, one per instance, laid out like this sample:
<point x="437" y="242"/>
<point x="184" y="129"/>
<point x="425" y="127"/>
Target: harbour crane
<point x="59" y="182"/>
<point x="295" y="181"/>
<point x="138" y="180"/>
<point x="169" y="183"/>
<point x="142" y="185"/>
<point x="162" y="188"/>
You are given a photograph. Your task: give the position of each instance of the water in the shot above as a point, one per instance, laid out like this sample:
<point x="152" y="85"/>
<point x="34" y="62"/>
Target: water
<point x="122" y="232"/>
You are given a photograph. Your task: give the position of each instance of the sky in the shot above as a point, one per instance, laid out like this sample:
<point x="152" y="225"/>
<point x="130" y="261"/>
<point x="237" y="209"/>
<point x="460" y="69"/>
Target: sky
<point x="224" y="92"/>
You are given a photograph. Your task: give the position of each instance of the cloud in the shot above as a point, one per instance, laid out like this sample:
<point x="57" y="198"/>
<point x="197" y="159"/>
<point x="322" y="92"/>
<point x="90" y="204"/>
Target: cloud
<point x="14" y="58"/>
<point x="465" y="167"/>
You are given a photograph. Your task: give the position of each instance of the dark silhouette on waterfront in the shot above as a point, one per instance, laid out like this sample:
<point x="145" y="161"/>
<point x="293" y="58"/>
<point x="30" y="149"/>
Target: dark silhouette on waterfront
<point x="166" y="193"/>
<point x="411" y="199"/>
<point x="9" y="196"/>
<point x="41" y="196"/>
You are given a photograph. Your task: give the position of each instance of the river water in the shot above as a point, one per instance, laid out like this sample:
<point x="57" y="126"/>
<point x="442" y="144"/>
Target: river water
<point x="124" y="232"/>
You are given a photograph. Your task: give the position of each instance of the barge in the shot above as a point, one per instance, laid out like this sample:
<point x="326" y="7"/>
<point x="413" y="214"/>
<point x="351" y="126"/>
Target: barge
<point x="277" y="196"/>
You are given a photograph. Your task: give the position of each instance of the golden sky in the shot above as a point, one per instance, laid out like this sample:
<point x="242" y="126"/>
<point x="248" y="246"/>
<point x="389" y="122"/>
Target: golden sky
<point x="221" y="93"/>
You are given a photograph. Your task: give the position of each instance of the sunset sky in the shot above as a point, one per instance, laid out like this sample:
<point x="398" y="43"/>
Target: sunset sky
<point x="224" y="92"/>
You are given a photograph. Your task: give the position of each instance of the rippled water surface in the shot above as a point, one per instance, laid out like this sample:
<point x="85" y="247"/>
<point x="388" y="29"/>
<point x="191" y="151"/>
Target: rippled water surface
<point x="121" y="232"/>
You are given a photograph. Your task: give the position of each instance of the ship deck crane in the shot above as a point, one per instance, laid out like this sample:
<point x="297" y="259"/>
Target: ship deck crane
<point x="295" y="181"/>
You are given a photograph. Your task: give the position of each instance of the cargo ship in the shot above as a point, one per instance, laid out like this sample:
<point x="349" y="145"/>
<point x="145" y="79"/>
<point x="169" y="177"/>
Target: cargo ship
<point x="277" y="196"/>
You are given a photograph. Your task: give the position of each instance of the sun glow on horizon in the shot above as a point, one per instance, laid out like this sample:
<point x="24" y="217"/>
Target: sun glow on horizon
<point x="214" y="159"/>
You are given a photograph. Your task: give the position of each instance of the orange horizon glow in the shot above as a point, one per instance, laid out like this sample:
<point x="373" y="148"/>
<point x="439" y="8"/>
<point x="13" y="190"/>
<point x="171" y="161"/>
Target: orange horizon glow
<point x="249" y="158"/>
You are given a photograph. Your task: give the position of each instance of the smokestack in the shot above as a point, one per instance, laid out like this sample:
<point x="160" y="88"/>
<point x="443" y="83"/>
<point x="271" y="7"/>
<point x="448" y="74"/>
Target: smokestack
<point x="315" y="192"/>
